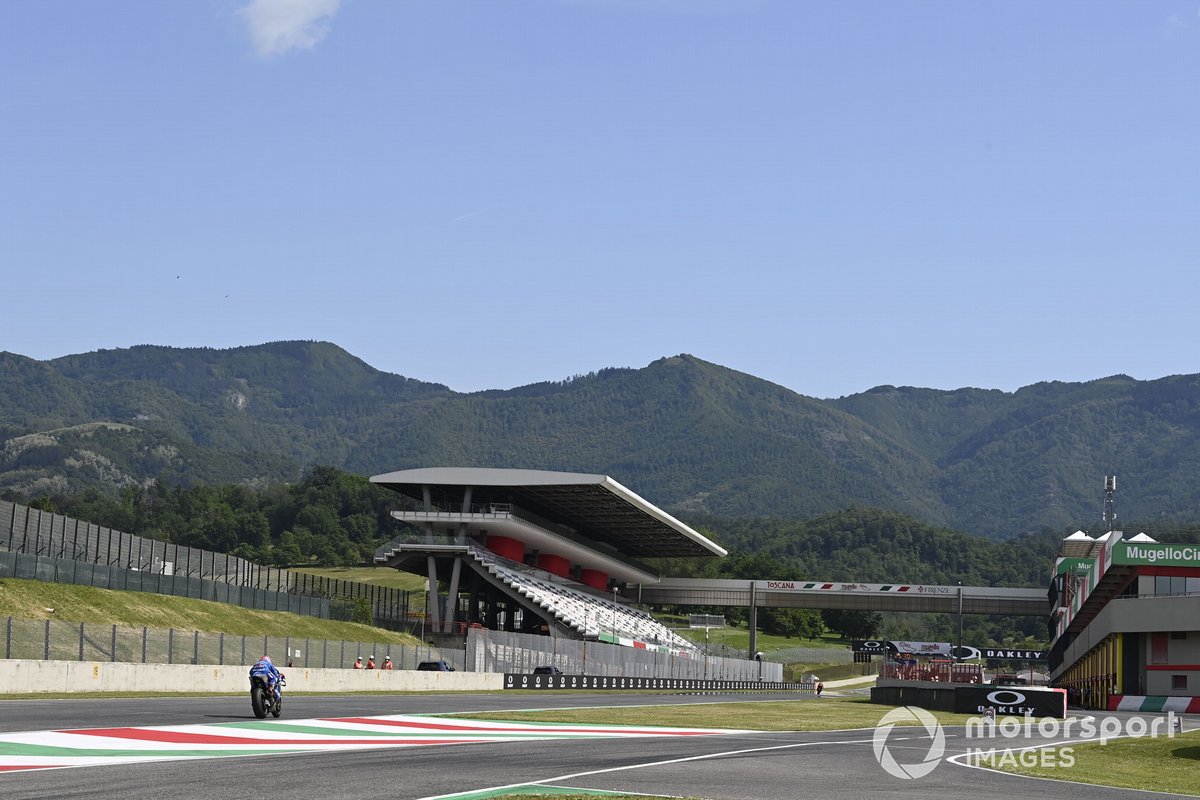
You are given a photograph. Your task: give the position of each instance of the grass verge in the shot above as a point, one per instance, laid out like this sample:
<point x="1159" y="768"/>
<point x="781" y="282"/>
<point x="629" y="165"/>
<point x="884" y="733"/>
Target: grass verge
<point x="739" y="637"/>
<point x="1160" y="764"/>
<point x="25" y="599"/>
<point x="378" y="576"/>
<point x="826" y="714"/>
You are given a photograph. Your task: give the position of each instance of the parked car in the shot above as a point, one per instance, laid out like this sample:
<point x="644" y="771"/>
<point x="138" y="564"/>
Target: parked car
<point x="547" y="671"/>
<point x="435" y="666"/>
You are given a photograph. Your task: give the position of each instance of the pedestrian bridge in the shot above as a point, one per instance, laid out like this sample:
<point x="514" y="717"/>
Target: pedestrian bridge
<point x="846" y="595"/>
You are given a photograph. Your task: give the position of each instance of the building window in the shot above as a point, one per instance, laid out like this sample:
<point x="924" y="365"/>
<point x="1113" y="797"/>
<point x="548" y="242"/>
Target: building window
<point x="1178" y="682"/>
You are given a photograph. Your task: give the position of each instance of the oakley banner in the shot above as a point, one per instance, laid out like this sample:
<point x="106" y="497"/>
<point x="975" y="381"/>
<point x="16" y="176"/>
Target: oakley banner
<point x="944" y="649"/>
<point x="1013" y="700"/>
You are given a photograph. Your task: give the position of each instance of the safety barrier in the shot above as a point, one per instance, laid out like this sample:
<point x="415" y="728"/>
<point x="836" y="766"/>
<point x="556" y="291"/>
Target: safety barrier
<point x="37" y="677"/>
<point x="56" y="641"/>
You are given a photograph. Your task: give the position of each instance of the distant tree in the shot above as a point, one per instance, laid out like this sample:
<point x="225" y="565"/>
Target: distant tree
<point x="43" y="503"/>
<point x="797" y="623"/>
<point x="853" y="624"/>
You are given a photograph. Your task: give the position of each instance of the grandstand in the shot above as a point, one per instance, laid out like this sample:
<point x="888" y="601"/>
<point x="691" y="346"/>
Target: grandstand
<point x="548" y="552"/>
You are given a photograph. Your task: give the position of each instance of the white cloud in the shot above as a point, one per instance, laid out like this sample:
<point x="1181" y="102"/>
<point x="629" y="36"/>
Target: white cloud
<point x="279" y="26"/>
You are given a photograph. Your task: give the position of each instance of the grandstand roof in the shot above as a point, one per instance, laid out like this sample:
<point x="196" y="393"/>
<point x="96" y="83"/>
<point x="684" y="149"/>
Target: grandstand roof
<point x="596" y="506"/>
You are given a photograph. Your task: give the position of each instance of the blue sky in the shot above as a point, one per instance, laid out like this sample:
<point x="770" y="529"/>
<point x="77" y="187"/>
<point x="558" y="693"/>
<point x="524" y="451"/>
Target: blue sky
<point x="485" y="194"/>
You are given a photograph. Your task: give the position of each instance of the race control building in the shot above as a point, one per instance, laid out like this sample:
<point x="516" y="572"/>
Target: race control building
<point x="536" y="552"/>
<point x="1125" y="623"/>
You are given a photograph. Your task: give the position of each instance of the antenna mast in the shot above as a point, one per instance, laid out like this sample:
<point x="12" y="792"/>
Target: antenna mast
<point x="1110" y="502"/>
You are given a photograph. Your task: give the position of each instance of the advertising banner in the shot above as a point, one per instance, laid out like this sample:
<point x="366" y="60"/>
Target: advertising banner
<point x="1003" y="654"/>
<point x="1013" y="700"/>
<point x="885" y="647"/>
<point x="1155" y="553"/>
<point x="923" y="648"/>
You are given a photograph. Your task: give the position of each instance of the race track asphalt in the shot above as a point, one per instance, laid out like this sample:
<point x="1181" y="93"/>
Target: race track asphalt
<point x="838" y="765"/>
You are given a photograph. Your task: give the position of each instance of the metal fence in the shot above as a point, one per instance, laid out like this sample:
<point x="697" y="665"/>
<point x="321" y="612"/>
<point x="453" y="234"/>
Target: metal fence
<point x="54" y="640"/>
<point x="502" y="651"/>
<point x="57" y="570"/>
<point x="55" y="538"/>
<point x="812" y="655"/>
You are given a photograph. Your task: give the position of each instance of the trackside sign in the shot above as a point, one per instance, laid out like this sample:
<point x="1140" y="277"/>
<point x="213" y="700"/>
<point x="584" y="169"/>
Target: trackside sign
<point x="838" y="586"/>
<point x="1175" y="555"/>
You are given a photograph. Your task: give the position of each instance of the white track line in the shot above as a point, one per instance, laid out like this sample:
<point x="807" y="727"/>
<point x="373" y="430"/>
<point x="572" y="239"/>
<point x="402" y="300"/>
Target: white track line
<point x="639" y="766"/>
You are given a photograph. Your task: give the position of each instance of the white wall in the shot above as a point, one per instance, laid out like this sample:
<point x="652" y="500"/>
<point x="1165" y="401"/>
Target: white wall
<point x="21" y="677"/>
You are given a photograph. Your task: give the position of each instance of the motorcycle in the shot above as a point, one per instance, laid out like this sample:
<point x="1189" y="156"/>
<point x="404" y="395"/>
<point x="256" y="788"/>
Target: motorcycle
<point x="262" y="697"/>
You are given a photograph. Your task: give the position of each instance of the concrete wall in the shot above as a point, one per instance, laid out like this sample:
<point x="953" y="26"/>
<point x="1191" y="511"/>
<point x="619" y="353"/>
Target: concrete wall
<point x="21" y="676"/>
<point x="1141" y="615"/>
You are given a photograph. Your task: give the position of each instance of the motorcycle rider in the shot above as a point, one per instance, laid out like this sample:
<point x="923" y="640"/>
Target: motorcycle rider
<point x="270" y="674"/>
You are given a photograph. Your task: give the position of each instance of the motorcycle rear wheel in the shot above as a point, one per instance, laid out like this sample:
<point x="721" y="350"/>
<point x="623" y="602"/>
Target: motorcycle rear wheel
<point x="258" y="701"/>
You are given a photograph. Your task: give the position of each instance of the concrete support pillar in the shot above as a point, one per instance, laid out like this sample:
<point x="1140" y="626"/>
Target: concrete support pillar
<point x="595" y="578"/>
<point x="753" y="621"/>
<point x="554" y="564"/>
<point x="466" y="509"/>
<point x="452" y="597"/>
<point x="434" y="613"/>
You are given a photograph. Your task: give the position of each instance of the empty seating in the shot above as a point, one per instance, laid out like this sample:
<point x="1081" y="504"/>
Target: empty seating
<point x="586" y="613"/>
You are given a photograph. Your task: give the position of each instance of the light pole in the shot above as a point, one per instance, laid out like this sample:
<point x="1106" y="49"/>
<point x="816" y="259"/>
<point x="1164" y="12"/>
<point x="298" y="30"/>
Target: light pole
<point x="758" y="658"/>
<point x="614" y="627"/>
<point x="958" y="649"/>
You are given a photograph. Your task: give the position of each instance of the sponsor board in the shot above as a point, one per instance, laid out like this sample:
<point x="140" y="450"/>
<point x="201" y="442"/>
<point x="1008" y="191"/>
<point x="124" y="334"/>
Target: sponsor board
<point x="835" y="586"/>
<point x="514" y="680"/>
<point x="1000" y="654"/>
<point x="1182" y="555"/>
<point x="962" y="653"/>
<point x="1011" y="700"/>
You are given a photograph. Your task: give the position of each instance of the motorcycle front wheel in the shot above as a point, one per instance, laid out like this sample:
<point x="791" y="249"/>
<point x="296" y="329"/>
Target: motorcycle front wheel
<point x="277" y="708"/>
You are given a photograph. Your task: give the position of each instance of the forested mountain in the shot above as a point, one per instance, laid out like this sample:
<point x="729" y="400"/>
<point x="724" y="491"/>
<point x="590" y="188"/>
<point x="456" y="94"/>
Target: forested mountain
<point x="691" y="436"/>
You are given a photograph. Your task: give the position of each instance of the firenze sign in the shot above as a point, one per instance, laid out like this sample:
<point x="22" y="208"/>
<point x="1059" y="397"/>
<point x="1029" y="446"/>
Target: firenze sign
<point x="1182" y="555"/>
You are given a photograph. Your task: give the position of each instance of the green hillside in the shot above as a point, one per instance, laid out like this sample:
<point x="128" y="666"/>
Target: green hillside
<point x="691" y="436"/>
<point x="58" y="601"/>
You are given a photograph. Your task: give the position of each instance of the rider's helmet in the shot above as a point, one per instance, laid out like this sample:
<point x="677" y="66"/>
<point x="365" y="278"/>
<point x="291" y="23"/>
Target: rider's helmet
<point x="267" y="659"/>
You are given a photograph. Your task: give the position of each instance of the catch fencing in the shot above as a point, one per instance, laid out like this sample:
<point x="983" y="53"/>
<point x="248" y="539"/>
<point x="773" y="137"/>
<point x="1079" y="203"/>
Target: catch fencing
<point x="812" y="655"/>
<point x="123" y="561"/>
<point x="502" y="651"/>
<point x="55" y="640"/>
<point x="57" y="570"/>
